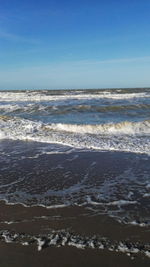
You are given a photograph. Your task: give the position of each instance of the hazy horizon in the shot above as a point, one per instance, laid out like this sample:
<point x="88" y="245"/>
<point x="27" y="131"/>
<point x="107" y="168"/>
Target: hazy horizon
<point x="75" y="89"/>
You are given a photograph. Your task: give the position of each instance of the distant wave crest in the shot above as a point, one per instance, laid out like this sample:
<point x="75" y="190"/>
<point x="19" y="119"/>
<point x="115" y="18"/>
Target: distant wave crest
<point x="72" y="95"/>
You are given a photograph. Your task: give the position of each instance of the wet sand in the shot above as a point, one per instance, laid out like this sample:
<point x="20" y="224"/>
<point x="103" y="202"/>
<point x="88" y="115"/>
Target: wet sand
<point x="73" y="235"/>
<point x="16" y="256"/>
<point x="74" y="220"/>
<point x="38" y="220"/>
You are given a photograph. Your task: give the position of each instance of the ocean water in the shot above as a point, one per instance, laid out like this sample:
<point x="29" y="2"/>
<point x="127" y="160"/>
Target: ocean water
<point x="77" y="147"/>
<point x="116" y="119"/>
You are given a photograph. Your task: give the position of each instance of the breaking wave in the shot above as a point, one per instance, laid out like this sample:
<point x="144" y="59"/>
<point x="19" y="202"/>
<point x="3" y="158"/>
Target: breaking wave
<point x="48" y="96"/>
<point x="124" y="127"/>
<point x="123" y="136"/>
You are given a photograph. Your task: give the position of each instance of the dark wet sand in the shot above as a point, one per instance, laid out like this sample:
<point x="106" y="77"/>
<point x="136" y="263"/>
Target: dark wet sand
<point x="75" y="219"/>
<point x="21" y="256"/>
<point x="16" y="255"/>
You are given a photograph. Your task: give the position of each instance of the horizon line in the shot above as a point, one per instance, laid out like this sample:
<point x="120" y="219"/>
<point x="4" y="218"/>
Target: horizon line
<point x="59" y="89"/>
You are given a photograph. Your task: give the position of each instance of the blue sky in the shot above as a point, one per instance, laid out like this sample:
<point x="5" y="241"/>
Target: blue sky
<point x="74" y="44"/>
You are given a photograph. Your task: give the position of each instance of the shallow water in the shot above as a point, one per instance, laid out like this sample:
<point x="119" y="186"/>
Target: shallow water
<point x="116" y="184"/>
<point x="78" y="162"/>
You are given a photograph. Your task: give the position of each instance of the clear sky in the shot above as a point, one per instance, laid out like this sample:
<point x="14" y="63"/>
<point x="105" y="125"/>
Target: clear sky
<point x="74" y="44"/>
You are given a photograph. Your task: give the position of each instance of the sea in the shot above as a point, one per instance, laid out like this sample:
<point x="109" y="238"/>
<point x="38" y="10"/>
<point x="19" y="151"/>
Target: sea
<point x="112" y="120"/>
<point x="77" y="148"/>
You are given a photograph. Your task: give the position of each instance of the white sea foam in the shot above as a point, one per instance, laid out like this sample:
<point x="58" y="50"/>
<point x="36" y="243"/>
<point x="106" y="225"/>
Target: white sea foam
<point x="118" y="203"/>
<point x="124" y="127"/>
<point x="146" y="195"/>
<point x="123" y="248"/>
<point x="138" y="224"/>
<point x="63" y="238"/>
<point x="89" y="201"/>
<point x="148" y="186"/>
<point x="28" y="127"/>
<point x="73" y="244"/>
<point x="9" y="238"/>
<point x="15" y="182"/>
<point x="8" y="222"/>
<point x="25" y="243"/>
<point x="41" y="96"/>
<point x="9" y="107"/>
<point x="147" y="253"/>
<point x="124" y="136"/>
<point x="40" y="243"/>
<point x="56" y="206"/>
<point x="121" y="202"/>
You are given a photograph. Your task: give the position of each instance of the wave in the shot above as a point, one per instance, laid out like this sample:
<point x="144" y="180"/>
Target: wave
<point x="124" y="127"/>
<point x="18" y="96"/>
<point x="124" y="136"/>
<point x="66" y="109"/>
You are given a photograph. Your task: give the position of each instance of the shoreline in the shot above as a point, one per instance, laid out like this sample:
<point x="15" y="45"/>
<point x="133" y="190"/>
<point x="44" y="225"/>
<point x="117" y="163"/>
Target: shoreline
<point x="66" y="228"/>
<point x="74" y="235"/>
